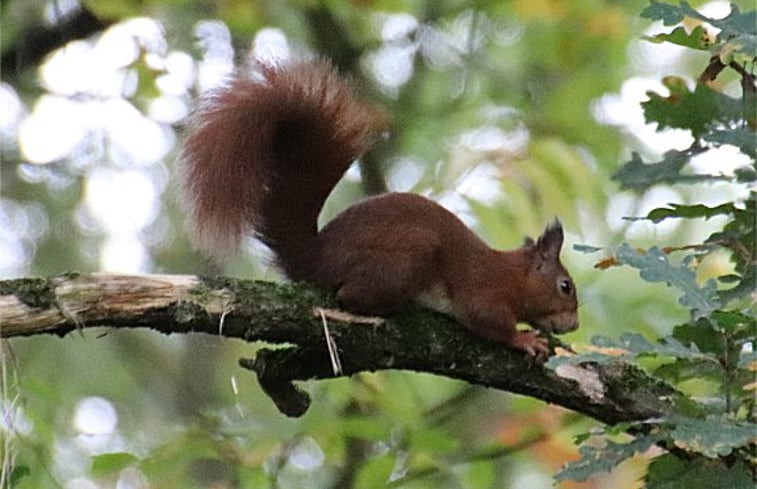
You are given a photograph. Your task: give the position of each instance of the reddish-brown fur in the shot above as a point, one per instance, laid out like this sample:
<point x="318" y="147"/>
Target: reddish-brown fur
<point x="262" y="156"/>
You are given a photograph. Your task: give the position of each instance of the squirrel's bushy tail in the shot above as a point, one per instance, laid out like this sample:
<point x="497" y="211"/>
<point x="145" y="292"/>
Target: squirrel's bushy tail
<point x="263" y="153"/>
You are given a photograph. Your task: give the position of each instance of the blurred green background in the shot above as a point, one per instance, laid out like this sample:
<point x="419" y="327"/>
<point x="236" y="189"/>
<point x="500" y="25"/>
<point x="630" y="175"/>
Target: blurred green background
<point x="507" y="112"/>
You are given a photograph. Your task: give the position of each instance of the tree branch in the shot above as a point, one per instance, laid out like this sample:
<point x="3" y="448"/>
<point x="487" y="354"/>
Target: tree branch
<point x="35" y="41"/>
<point x="416" y="340"/>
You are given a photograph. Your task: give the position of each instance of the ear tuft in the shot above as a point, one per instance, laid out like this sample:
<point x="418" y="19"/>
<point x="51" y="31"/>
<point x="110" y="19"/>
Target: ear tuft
<point x="550" y="242"/>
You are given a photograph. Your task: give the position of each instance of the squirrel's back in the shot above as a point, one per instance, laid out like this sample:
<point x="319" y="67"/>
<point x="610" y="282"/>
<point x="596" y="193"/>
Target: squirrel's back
<point x="264" y="151"/>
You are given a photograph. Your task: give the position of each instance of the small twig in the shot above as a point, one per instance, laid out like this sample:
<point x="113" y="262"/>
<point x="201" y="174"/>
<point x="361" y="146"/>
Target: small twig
<point x="336" y="363"/>
<point x="748" y="80"/>
<point x="346" y="317"/>
<point x="714" y="67"/>
<point x="221" y="321"/>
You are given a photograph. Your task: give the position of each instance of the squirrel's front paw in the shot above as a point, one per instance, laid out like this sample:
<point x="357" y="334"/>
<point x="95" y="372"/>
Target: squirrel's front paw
<point x="531" y="343"/>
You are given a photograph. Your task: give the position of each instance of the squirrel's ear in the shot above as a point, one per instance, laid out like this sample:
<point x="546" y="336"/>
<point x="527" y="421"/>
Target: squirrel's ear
<point x="550" y="241"/>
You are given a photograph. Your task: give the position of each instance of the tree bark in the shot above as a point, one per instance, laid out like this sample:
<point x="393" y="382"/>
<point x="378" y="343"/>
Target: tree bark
<point x="416" y="340"/>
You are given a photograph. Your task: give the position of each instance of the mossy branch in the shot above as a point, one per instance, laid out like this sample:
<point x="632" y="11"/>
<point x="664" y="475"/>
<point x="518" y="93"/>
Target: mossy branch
<point x="417" y="340"/>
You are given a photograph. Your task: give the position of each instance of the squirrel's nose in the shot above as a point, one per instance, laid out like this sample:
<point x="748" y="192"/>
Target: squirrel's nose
<point x="565" y="322"/>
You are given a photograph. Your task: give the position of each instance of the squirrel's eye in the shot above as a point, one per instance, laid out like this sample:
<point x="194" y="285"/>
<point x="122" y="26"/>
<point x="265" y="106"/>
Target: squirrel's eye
<point x="565" y="286"/>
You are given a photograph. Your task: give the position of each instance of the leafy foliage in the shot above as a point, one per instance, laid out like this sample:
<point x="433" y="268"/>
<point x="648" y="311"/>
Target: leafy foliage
<point x="735" y="24"/>
<point x="711" y="357"/>
<point x="695" y="110"/>
<point x="654" y="266"/>
<point x="604" y="458"/>
<point x="669" y="472"/>
<point x="696" y="39"/>
<point x="713" y="436"/>
<point x="638" y="175"/>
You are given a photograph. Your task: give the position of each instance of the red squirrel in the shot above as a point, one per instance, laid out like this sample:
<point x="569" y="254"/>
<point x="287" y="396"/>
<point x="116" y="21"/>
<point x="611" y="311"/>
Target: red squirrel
<point x="264" y="151"/>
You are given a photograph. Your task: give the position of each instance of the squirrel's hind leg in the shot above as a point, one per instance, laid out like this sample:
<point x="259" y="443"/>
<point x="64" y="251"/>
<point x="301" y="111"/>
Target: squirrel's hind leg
<point x="381" y="288"/>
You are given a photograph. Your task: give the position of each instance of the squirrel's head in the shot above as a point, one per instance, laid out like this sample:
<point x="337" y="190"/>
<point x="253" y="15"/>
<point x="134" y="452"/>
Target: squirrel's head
<point x="550" y="302"/>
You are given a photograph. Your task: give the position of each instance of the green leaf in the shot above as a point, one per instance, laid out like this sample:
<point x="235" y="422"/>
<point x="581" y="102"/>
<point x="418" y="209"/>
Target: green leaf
<point x="667" y="347"/>
<point x="375" y="473"/>
<point x="586" y="248"/>
<point x="668" y="14"/>
<point x="110" y="463"/>
<point x="682" y="370"/>
<point x="700" y="333"/>
<point x="603" y="459"/>
<point x="696" y="111"/>
<point x="637" y="175"/>
<point x="735" y="23"/>
<point x="433" y="440"/>
<point x="18" y="473"/>
<point x="697" y="39"/>
<point x="740" y="236"/>
<point x="670" y="472"/>
<point x="480" y="474"/>
<point x="733" y="320"/>
<point x="744" y="289"/>
<point x="740" y="49"/>
<point x="708" y="335"/>
<point x="363" y="427"/>
<point x="739" y="233"/>
<point x="618" y="428"/>
<point x="713" y="437"/>
<point x="690" y="211"/>
<point x="745" y="174"/>
<point x="654" y="266"/>
<point x="743" y="138"/>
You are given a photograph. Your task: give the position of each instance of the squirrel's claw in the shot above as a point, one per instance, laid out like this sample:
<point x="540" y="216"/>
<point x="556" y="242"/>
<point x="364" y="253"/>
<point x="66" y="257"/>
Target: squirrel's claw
<point x="531" y="343"/>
